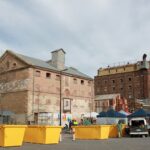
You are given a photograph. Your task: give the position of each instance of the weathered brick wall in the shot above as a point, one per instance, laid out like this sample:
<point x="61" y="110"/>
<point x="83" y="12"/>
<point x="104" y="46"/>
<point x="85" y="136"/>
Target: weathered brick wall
<point x="26" y="91"/>
<point x="133" y="85"/>
<point x="15" y="102"/>
<point x="13" y="89"/>
<point x="9" y="62"/>
<point x="46" y="95"/>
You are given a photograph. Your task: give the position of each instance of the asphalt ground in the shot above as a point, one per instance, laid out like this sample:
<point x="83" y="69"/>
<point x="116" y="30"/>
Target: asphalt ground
<point x="125" y="143"/>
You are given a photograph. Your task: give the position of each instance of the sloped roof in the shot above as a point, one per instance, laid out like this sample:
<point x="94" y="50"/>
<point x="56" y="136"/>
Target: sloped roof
<point x="59" y="50"/>
<point x="74" y="71"/>
<point x="106" y="96"/>
<point x="34" y="61"/>
<point x="43" y="64"/>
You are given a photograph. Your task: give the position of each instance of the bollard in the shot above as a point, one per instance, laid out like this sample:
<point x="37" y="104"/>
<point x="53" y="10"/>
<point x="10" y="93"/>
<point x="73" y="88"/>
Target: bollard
<point x="73" y="132"/>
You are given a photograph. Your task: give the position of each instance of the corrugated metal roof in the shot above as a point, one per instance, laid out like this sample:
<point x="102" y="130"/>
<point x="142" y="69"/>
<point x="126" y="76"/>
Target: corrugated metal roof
<point x="43" y="64"/>
<point x="106" y="96"/>
<point x="74" y="71"/>
<point x="34" y="61"/>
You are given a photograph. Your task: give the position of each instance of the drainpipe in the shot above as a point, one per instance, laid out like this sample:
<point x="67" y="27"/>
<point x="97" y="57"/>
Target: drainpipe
<point x="60" y="123"/>
<point x="33" y="94"/>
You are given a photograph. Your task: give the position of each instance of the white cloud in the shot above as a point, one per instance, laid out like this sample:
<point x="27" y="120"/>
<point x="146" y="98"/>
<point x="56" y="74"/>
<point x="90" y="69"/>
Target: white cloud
<point x="94" y="33"/>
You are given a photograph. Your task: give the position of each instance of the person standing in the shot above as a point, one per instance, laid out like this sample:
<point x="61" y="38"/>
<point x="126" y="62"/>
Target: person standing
<point x="119" y="128"/>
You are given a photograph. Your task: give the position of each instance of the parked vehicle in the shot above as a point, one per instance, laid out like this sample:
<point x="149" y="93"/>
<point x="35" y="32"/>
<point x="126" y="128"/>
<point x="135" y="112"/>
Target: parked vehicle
<point x="138" y="126"/>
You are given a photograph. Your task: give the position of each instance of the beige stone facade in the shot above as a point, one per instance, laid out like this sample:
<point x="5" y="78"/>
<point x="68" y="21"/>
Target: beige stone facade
<point x="28" y="90"/>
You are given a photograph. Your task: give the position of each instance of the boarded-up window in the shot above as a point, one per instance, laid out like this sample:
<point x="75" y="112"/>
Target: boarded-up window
<point x="57" y="77"/>
<point x="37" y="73"/>
<point x="89" y="83"/>
<point x="75" y="81"/>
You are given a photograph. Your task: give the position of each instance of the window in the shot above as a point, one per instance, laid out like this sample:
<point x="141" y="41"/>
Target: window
<point x="48" y="75"/>
<point x="130" y="96"/>
<point x="113" y="88"/>
<point x="14" y="65"/>
<point x="113" y="81"/>
<point x="129" y="79"/>
<point x="57" y="77"/>
<point x="130" y="87"/>
<point x="121" y="80"/>
<point x="75" y="81"/>
<point x="37" y="73"/>
<point x="97" y="90"/>
<point x="110" y="102"/>
<point x="82" y="82"/>
<point x="89" y="83"/>
<point x="105" y="89"/>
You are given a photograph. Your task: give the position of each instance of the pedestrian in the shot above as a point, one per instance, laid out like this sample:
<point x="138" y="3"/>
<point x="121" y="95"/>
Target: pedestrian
<point x="119" y="128"/>
<point x="70" y="125"/>
<point x="81" y="122"/>
<point x="86" y="121"/>
<point x="75" y="123"/>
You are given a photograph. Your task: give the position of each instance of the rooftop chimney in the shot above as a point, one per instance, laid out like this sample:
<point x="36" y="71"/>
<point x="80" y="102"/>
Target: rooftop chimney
<point x="144" y="57"/>
<point x="58" y="59"/>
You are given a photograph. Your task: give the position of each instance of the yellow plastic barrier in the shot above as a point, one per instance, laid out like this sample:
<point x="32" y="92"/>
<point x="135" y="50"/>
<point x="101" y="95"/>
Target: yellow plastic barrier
<point x="11" y="135"/>
<point x="91" y="132"/>
<point x="113" y="132"/>
<point x="42" y="134"/>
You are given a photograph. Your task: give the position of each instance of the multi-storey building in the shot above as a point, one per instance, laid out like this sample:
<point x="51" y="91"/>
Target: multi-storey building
<point x="131" y="81"/>
<point x="31" y="88"/>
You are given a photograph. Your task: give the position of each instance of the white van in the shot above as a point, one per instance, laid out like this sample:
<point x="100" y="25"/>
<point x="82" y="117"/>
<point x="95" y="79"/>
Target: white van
<point x="138" y="126"/>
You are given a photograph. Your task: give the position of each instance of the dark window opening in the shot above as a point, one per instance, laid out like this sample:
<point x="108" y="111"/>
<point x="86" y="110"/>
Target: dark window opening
<point x="14" y="64"/>
<point x="82" y="82"/>
<point x="130" y="79"/>
<point x="121" y="80"/>
<point x="48" y="75"/>
<point x="113" y="81"/>
<point x="130" y="87"/>
<point x="113" y="88"/>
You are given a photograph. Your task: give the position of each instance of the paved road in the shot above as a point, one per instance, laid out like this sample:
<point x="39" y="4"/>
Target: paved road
<point x="110" y="144"/>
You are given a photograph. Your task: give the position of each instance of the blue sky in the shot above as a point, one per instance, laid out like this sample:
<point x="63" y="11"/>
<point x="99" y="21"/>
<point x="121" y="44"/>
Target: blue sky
<point x="94" y="33"/>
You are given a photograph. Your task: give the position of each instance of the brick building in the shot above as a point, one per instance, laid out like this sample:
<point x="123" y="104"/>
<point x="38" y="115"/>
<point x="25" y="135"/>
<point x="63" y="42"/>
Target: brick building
<point x="131" y="81"/>
<point x="31" y="88"/>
